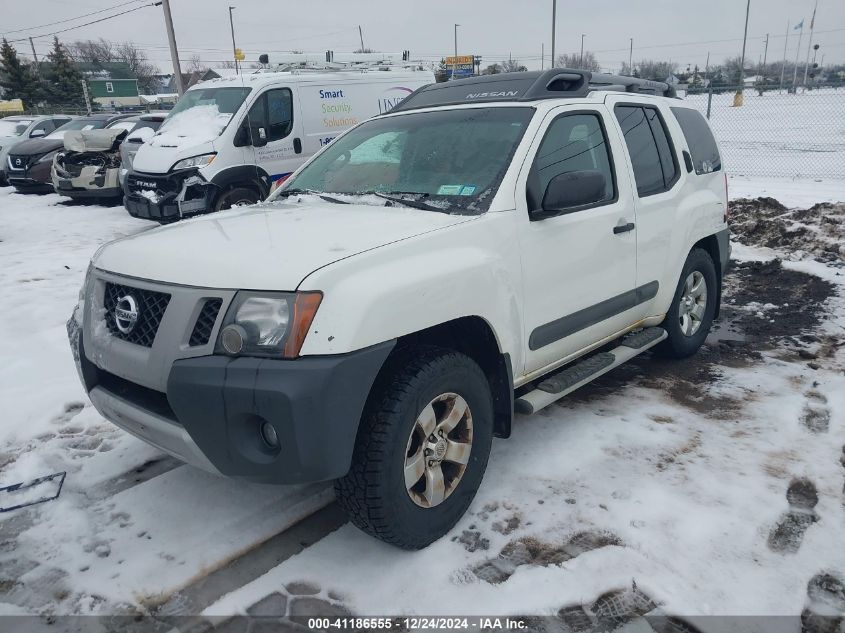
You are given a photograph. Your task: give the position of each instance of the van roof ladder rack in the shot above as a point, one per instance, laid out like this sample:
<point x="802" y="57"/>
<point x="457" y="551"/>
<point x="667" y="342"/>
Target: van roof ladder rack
<point x="529" y="86"/>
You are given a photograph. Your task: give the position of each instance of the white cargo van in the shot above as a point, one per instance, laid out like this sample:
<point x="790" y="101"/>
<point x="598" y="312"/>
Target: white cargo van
<point x="227" y="141"/>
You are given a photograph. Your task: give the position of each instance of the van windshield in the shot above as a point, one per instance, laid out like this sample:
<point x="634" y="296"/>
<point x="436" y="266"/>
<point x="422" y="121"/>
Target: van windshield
<point x="226" y="100"/>
<point x="448" y="160"/>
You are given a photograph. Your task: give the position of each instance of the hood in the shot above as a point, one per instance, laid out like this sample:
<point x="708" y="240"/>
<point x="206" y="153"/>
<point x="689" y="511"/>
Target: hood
<point x="265" y="247"/>
<point x="93" y="140"/>
<point x="37" y="146"/>
<point x="155" y="159"/>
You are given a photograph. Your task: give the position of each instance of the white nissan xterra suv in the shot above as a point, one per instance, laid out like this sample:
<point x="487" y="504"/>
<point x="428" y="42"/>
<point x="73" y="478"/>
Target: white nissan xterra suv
<point x="486" y="247"/>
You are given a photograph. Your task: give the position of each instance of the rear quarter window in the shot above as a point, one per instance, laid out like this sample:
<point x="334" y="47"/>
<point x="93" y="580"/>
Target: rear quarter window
<point x="702" y="144"/>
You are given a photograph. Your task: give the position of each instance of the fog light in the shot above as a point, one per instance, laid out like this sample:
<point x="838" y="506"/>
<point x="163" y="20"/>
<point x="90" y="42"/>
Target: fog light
<point x="232" y="338"/>
<point x="269" y="435"/>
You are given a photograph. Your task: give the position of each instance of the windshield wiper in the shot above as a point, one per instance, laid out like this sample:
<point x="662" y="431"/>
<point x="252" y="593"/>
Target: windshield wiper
<point x="414" y="204"/>
<point x="322" y="196"/>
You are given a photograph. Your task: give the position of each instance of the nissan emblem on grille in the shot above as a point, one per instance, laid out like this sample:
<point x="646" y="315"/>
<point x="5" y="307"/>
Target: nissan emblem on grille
<point x="126" y="313"/>
<point x="18" y="162"/>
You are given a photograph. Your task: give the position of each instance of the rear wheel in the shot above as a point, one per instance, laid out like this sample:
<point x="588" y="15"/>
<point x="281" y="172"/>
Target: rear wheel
<point x="422" y="448"/>
<point x="690" y="316"/>
<point x="236" y="197"/>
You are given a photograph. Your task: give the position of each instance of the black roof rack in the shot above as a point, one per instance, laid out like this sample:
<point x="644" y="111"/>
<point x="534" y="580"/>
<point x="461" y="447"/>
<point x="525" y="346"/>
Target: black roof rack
<point x="528" y="86"/>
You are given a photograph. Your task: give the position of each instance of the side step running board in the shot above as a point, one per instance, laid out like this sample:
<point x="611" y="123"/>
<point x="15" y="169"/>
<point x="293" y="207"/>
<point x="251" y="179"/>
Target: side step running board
<point x="566" y="380"/>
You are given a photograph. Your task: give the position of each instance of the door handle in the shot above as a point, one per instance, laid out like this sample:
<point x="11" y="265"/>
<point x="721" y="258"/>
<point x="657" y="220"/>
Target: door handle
<point x="623" y="228"/>
<point x="297" y="146"/>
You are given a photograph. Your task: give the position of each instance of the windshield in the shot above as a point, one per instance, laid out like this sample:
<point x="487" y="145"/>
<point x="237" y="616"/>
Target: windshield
<point x="13" y="128"/>
<point x="78" y="124"/>
<point x="454" y="160"/>
<point x="226" y="100"/>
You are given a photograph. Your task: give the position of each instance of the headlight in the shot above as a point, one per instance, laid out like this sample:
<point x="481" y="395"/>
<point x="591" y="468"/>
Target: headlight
<point x="267" y="324"/>
<point x="47" y="158"/>
<point x="196" y="161"/>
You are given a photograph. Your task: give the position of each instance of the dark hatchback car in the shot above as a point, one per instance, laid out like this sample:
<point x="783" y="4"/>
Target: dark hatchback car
<point x="29" y="163"/>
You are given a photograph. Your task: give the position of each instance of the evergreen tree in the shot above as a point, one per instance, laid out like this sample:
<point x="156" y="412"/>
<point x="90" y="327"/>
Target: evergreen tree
<point x="16" y="78"/>
<point x="65" y="80"/>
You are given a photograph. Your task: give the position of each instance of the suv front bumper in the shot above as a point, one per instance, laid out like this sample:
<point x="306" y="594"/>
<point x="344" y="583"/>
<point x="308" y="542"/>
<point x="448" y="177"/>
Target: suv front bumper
<point x="214" y="407"/>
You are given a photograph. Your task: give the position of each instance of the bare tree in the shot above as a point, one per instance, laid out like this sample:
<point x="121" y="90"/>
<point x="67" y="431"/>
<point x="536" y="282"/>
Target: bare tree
<point x="492" y="69"/>
<point x="654" y="69"/>
<point x="573" y="60"/>
<point x="139" y="65"/>
<point x="102" y="51"/>
<point x="196" y="65"/>
<point x="99" y="51"/>
<point x="512" y="66"/>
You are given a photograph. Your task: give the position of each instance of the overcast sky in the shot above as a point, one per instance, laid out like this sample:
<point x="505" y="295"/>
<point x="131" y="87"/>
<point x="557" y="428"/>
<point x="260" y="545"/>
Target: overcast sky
<point x="681" y="30"/>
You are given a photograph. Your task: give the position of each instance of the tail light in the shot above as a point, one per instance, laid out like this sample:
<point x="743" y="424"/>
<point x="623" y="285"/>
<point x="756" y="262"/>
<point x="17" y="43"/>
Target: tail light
<point x="727" y="199"/>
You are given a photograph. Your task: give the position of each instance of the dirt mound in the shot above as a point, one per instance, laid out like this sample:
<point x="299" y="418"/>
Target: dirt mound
<point x="818" y="232"/>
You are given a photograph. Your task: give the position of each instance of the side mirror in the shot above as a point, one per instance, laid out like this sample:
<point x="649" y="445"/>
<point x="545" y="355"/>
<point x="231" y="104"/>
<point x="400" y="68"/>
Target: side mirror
<point x="259" y="137"/>
<point x="37" y="133"/>
<point x="571" y="190"/>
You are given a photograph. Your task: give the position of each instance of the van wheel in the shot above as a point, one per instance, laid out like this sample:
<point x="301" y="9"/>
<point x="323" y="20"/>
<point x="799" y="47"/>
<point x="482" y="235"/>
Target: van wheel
<point x="693" y="307"/>
<point x="422" y="447"/>
<point x="237" y="196"/>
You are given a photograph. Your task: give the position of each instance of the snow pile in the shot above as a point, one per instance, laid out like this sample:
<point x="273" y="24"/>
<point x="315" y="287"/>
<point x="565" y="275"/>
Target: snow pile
<point x="197" y="125"/>
<point x="817" y="232"/>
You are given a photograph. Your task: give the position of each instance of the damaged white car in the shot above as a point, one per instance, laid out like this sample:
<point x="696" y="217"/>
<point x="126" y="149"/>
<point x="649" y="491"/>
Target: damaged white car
<point x="90" y="165"/>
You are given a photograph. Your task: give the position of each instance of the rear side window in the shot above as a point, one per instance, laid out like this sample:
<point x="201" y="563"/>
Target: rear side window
<point x="654" y="163"/>
<point x="702" y="145"/>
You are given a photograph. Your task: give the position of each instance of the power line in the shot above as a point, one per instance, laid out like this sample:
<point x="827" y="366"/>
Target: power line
<point x="78" y="17"/>
<point x="79" y="26"/>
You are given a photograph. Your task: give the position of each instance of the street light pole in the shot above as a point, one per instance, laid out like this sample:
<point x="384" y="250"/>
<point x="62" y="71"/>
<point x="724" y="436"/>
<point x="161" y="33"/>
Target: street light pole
<point x="455" y="64"/>
<point x="234" y="48"/>
<point x="738" y="95"/>
<point x="554" y="21"/>
<point x="631" y="58"/>
<point x="174" y="54"/>
<point x="581" y="63"/>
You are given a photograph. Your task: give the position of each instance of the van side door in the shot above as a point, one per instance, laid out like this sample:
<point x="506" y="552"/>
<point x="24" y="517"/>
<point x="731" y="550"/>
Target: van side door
<point x="274" y="133"/>
<point x="579" y="261"/>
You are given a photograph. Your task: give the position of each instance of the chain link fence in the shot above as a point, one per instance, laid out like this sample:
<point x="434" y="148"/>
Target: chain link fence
<point x="778" y="134"/>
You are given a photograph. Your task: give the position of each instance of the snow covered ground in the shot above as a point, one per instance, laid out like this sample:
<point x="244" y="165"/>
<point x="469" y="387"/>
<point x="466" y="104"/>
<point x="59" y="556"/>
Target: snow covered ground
<point x="710" y="486"/>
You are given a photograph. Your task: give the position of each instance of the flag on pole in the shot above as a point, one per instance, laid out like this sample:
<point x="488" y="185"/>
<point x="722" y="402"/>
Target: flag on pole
<point x="800" y="25"/>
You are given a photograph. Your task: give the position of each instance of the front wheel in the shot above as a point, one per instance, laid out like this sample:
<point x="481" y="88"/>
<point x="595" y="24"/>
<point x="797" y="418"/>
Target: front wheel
<point x="422" y="448"/>
<point x="236" y="197"/>
<point x="693" y="308"/>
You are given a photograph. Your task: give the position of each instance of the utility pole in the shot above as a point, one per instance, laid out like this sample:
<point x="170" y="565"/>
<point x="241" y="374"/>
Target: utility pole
<point x="738" y="95"/>
<point x="35" y="57"/>
<point x="455" y="65"/>
<point x="361" y="35"/>
<point x="761" y="72"/>
<point x="810" y="43"/>
<point x="174" y="54"/>
<point x="797" y="53"/>
<point x="234" y="48"/>
<point x="554" y="19"/>
<point x="581" y="63"/>
<point x="542" y="55"/>
<point x="631" y="58"/>
<point x="783" y="67"/>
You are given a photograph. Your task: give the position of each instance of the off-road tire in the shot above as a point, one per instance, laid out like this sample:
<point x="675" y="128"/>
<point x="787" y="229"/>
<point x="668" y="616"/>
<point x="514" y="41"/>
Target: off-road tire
<point x="373" y="492"/>
<point x="236" y="195"/>
<point x="677" y="344"/>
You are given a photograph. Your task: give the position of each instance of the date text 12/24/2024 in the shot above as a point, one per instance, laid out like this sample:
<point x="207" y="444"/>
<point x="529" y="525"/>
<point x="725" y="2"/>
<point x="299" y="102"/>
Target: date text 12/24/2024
<point x="417" y="623"/>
